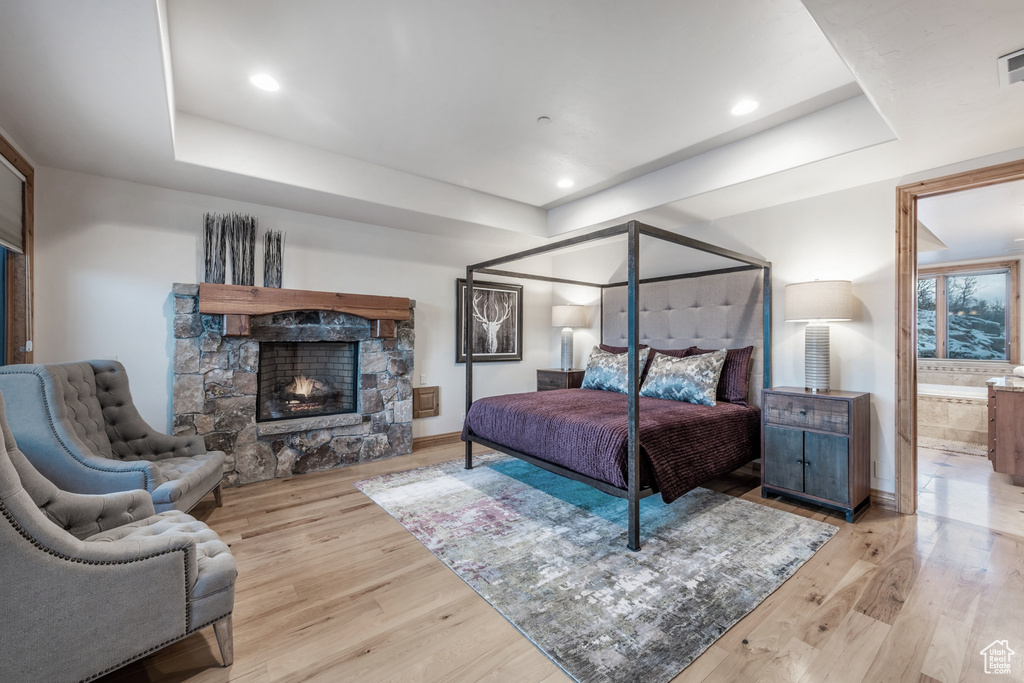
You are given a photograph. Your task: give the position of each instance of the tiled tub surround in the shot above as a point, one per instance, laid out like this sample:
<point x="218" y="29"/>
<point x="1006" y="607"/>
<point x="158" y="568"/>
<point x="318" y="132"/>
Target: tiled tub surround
<point x="952" y="413"/>
<point x="215" y="387"/>
<point x="960" y="373"/>
<point x="952" y="399"/>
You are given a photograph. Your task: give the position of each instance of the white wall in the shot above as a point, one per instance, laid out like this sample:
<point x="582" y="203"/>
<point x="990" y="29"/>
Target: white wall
<point x="14" y="143"/>
<point x="108" y="251"/>
<point x="846" y="235"/>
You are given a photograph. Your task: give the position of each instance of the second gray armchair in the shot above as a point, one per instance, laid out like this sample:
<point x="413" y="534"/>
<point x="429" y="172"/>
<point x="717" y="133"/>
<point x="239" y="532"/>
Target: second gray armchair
<point x="77" y="424"/>
<point x="91" y="583"/>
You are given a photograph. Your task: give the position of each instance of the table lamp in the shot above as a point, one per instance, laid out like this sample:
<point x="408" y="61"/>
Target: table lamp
<point x="567" y="317"/>
<point x="818" y="303"/>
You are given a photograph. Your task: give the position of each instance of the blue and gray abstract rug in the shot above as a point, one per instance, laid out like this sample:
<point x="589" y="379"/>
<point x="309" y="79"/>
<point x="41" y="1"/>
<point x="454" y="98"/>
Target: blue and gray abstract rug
<point x="550" y="555"/>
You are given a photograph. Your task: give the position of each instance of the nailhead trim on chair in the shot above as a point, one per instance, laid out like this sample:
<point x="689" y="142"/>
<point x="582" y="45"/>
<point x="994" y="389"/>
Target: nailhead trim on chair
<point x="49" y="419"/>
<point x="17" y="527"/>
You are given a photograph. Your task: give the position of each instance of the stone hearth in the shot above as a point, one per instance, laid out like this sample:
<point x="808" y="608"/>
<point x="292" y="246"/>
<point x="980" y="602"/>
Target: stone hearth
<point x="215" y="389"/>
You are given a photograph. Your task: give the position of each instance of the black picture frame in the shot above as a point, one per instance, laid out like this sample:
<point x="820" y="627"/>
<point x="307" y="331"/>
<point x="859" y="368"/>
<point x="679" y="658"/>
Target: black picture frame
<point x="506" y="303"/>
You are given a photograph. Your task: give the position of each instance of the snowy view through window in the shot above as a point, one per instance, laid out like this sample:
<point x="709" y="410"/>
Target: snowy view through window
<point x="975" y="320"/>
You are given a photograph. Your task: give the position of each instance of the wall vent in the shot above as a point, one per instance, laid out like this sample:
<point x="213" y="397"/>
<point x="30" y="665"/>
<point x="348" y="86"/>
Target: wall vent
<point x="1011" y="68"/>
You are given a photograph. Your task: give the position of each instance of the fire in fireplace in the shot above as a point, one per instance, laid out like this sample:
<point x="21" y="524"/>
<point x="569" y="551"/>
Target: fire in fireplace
<point x="306" y="379"/>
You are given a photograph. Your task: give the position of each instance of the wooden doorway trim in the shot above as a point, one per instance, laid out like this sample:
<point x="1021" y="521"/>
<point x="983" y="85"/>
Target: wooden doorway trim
<point x="906" y="305"/>
<point x="20" y="267"/>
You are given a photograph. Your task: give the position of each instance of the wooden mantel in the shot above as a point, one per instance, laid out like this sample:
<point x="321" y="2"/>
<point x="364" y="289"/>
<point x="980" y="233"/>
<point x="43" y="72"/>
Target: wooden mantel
<point x="237" y="302"/>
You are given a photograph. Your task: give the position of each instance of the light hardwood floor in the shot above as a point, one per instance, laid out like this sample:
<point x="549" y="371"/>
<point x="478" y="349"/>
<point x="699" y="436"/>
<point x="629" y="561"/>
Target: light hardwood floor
<point x="965" y="487"/>
<point x="331" y="588"/>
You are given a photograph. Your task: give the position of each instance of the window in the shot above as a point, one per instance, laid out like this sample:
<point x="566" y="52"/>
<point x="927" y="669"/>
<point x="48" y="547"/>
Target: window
<point x="969" y="312"/>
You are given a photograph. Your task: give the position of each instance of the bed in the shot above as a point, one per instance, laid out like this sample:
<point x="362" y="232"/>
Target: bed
<point x="585" y="431"/>
<point x="626" y="444"/>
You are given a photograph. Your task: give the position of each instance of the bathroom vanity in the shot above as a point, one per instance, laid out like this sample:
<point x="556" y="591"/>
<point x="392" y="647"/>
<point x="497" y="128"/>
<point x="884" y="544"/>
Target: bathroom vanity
<point x="1006" y="426"/>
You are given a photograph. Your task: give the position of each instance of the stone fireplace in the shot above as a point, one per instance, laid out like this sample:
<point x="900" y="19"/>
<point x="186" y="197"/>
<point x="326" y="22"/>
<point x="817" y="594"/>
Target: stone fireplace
<point x="292" y="392"/>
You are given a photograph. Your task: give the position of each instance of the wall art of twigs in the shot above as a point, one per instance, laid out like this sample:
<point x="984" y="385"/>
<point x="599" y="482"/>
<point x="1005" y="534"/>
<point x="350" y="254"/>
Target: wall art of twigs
<point x="273" y="254"/>
<point x="241" y="236"/>
<point x="214" y="248"/>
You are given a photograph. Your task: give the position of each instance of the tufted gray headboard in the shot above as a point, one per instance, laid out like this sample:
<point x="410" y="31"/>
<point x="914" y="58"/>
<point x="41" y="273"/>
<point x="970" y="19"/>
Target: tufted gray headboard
<point x="720" y="310"/>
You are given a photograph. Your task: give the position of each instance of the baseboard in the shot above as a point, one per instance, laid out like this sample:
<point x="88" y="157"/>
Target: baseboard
<point x="436" y="440"/>
<point x="883" y="499"/>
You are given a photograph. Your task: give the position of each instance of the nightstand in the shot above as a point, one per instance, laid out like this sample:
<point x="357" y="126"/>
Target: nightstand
<point x="559" y="379"/>
<point x="815" y="447"/>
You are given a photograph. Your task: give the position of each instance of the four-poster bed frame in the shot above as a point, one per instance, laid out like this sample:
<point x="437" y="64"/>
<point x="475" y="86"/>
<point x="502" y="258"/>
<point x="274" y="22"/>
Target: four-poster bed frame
<point x="633" y="230"/>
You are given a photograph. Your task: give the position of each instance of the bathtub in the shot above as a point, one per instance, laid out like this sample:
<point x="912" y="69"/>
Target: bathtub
<point x="953" y="413"/>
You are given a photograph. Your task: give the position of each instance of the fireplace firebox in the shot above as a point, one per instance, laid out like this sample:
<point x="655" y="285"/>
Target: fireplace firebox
<point x="306" y="379"/>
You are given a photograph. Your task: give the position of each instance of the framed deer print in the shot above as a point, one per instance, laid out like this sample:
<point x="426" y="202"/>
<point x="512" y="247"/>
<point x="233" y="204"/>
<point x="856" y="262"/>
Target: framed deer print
<point x="497" y="318"/>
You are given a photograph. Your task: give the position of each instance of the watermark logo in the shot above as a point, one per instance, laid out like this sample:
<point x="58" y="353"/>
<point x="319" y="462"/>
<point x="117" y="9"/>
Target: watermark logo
<point x="997" y="657"/>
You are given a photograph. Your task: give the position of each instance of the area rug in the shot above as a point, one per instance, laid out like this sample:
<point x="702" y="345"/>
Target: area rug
<point x="550" y="555"/>
<point x="951" y="446"/>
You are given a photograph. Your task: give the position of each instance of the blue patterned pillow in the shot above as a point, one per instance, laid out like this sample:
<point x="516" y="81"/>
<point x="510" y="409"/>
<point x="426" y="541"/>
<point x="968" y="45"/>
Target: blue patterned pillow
<point x="693" y="379"/>
<point x="608" y="371"/>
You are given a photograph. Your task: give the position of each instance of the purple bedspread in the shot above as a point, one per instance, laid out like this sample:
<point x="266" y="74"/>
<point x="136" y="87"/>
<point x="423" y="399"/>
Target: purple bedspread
<point x="584" y="430"/>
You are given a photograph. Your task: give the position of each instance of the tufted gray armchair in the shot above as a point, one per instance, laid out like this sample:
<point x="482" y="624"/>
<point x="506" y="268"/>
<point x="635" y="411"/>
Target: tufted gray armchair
<point x="91" y="583"/>
<point x="77" y="424"/>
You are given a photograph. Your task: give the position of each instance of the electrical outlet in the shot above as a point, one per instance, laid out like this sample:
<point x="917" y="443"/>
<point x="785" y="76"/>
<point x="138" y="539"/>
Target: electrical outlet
<point x="423" y="379"/>
<point x="463" y="417"/>
<point x="883" y="470"/>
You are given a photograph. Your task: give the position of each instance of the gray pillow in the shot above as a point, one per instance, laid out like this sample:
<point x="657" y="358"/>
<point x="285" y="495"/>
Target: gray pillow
<point x="693" y="379"/>
<point x="608" y="371"/>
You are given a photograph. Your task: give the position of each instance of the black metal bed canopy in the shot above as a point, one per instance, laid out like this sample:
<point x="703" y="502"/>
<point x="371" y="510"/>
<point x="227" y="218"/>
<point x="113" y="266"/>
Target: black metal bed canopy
<point x="633" y="231"/>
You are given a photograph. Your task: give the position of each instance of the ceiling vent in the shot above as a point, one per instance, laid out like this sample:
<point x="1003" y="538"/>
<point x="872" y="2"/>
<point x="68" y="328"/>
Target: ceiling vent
<point x="1011" y="68"/>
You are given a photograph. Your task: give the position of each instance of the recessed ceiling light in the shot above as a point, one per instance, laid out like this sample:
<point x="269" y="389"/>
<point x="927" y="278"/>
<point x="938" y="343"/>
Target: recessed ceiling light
<point x="544" y="119"/>
<point x="744" y="107"/>
<point x="1018" y="239"/>
<point x="265" y="82"/>
<point x="565" y="182"/>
